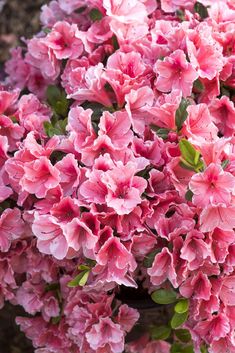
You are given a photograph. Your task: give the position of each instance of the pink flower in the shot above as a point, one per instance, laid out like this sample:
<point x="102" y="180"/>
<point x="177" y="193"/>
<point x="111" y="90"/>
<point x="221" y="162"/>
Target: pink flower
<point x="173" y="5"/>
<point x="125" y="11"/>
<point x="127" y="317"/>
<point x="84" y="82"/>
<point x="163" y="269"/>
<point x="205" y="55"/>
<point x="223" y="111"/>
<point x="39" y="177"/>
<point x="213" y="329"/>
<point x="69" y="174"/>
<point x="115" y="260"/>
<point x="125" y="71"/>
<point x="175" y="72"/>
<point x="32" y="114"/>
<point x="80" y="236"/>
<point x="222" y="217"/>
<point x="51" y="239"/>
<point x="117" y="127"/>
<point x="8" y="100"/>
<point x="212" y="187"/>
<point x="137" y="104"/>
<point x="194" y="250"/>
<point x="11" y="227"/>
<point x="63" y="41"/>
<point x="197" y="286"/>
<point x="107" y="335"/>
<point x="124" y="188"/>
<point x="227" y="291"/>
<point x="199" y="123"/>
<point x="42" y="58"/>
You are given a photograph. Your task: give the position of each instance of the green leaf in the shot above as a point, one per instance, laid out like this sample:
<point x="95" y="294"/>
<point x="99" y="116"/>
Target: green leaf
<point x="178" y="319"/>
<point x="201" y="10"/>
<point x="95" y="15"/>
<point x="183" y="335"/>
<point x="148" y="260"/>
<point x="83" y="267"/>
<point x="115" y="42"/>
<point x="161" y="132"/>
<point x="189" y="195"/>
<point x="52" y="286"/>
<point x="53" y="95"/>
<point x="180" y="14"/>
<point x="182" y="306"/>
<point x="198" y="86"/>
<point x="188" y="349"/>
<point x="55" y="320"/>
<point x="80" y="279"/>
<point x="176" y="348"/>
<point x="190" y="157"/>
<point x="160" y="333"/>
<point x="225" y="163"/>
<point x="163" y="296"/>
<point x="203" y="349"/>
<point x="181" y="113"/>
<point x="188" y="152"/>
<point x="47" y="30"/>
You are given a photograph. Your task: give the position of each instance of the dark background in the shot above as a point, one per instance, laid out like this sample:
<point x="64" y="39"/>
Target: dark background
<point x="18" y="18"/>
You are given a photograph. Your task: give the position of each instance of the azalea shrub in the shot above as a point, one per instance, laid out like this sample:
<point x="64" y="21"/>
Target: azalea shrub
<point x="117" y="155"/>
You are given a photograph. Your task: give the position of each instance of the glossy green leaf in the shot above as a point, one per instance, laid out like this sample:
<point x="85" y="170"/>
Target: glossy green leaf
<point x="189" y="195"/>
<point x="190" y="157"/>
<point x="115" y="42"/>
<point x="178" y="319"/>
<point x="55" y="320"/>
<point x="53" y="95"/>
<point x="160" y="332"/>
<point x="163" y="296"/>
<point x="176" y="348"/>
<point x="182" y="306"/>
<point x="95" y="15"/>
<point x="161" y="132"/>
<point x="181" y="113"/>
<point x="198" y="86"/>
<point x="225" y="163"/>
<point x="80" y="279"/>
<point x="188" y="349"/>
<point x="201" y="10"/>
<point x="183" y="335"/>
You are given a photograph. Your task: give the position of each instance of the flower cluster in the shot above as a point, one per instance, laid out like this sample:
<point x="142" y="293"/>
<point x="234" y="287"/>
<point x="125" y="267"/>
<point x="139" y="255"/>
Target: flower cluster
<point x="117" y="156"/>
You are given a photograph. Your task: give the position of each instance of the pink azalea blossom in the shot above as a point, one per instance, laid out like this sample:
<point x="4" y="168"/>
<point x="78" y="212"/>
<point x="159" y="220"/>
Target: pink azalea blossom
<point x="163" y="269"/>
<point x="106" y="334"/>
<point x="212" y="187"/>
<point x="124" y="188"/>
<point x="11" y="228"/>
<point x="39" y="177"/>
<point x="51" y="239"/>
<point x="214" y="329"/>
<point x="63" y="41"/>
<point x="175" y="72"/>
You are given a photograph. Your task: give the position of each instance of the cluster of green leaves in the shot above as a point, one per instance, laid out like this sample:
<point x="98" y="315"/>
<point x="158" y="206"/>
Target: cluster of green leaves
<point x="164" y="296"/>
<point x="181" y="337"/>
<point x="82" y="276"/>
<point x="56" y="98"/>
<point x="190" y="157"/>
